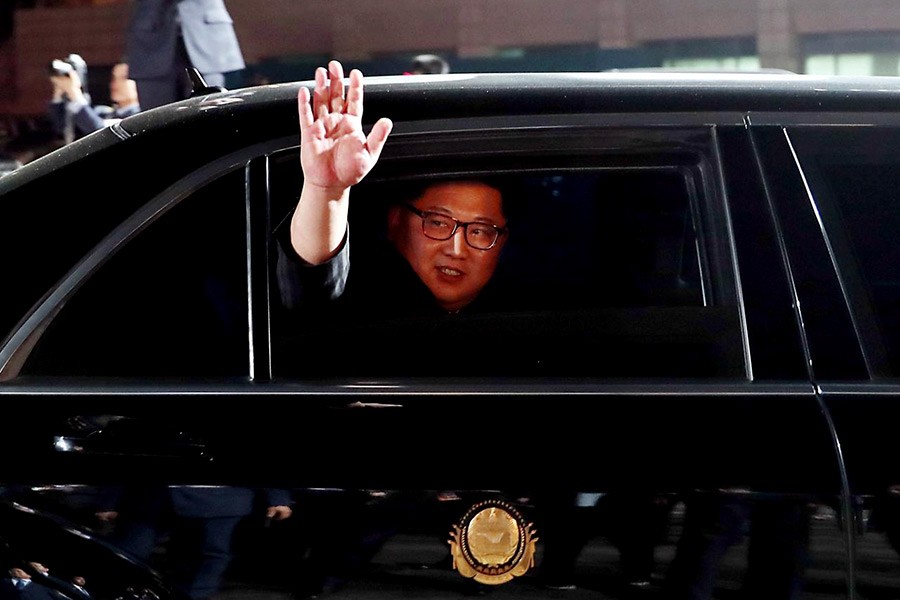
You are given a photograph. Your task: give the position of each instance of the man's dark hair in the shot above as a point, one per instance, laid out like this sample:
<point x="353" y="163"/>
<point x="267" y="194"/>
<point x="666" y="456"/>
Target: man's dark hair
<point x="408" y="191"/>
<point x="430" y="64"/>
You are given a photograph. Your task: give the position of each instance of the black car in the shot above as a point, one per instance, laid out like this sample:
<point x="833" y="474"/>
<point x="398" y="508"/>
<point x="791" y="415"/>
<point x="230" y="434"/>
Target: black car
<point x="688" y="390"/>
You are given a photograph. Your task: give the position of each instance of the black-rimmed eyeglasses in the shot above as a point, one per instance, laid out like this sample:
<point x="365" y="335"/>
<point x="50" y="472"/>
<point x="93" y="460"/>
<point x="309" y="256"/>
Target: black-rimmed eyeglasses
<point x="438" y="226"/>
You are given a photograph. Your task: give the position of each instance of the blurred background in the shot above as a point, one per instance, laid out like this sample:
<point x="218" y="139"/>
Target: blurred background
<point x="283" y="40"/>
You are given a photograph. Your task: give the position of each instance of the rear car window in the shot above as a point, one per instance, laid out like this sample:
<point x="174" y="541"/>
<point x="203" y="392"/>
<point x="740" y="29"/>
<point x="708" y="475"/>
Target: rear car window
<point x="853" y="175"/>
<point x="171" y="302"/>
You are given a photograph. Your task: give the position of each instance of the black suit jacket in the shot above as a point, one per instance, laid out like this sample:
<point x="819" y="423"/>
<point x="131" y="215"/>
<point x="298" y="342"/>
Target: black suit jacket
<point x="85" y="121"/>
<point x="205" y="25"/>
<point x="150" y="502"/>
<point x="32" y="591"/>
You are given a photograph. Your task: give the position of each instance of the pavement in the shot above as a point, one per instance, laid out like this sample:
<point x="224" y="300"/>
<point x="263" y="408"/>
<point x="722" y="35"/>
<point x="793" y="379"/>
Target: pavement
<point x="395" y="572"/>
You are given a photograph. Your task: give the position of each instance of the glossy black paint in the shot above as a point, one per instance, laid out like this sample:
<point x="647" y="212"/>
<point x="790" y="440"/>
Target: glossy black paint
<point x="778" y="433"/>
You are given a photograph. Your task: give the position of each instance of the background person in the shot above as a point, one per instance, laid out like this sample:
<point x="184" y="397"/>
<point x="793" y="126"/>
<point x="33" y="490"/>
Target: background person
<point x="80" y="585"/>
<point x="71" y="112"/>
<point x="429" y="64"/>
<point x="201" y="521"/>
<point x="70" y="109"/>
<point x="62" y="588"/>
<point x="165" y="37"/>
<point x="19" y="585"/>
<point x="123" y="95"/>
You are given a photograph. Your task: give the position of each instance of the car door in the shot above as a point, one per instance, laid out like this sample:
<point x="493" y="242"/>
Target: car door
<point x="645" y="390"/>
<point x="850" y="202"/>
<point x="637" y="400"/>
<point x="106" y="313"/>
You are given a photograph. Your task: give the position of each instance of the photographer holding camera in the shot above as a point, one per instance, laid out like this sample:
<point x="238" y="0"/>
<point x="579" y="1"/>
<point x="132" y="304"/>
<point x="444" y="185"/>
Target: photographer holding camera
<point x="71" y="111"/>
<point x="70" y="105"/>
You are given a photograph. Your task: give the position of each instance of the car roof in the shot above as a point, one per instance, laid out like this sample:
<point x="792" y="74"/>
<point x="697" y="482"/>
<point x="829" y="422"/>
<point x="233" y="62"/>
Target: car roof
<point x="199" y="128"/>
<point x="412" y="97"/>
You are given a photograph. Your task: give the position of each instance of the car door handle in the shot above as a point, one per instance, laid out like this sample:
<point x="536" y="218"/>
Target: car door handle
<point x="358" y="404"/>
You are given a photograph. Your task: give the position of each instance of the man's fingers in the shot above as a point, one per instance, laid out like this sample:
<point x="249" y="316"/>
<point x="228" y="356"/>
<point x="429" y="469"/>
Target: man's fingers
<point x="320" y="94"/>
<point x="304" y="110"/>
<point x="355" y="94"/>
<point x="378" y="136"/>
<point x="336" y="86"/>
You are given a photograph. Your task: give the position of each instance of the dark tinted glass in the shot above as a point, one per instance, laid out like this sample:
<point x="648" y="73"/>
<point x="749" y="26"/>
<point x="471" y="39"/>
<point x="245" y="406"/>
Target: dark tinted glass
<point x="172" y="301"/>
<point x="854" y="176"/>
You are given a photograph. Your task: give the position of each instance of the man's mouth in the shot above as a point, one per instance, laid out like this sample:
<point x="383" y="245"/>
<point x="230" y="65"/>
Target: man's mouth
<point x="450" y="272"/>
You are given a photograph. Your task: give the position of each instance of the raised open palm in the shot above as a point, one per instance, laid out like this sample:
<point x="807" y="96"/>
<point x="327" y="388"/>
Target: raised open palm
<point x="334" y="151"/>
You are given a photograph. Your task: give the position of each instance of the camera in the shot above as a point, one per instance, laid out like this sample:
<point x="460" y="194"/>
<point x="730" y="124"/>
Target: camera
<point x="60" y="68"/>
<point x="64" y="67"/>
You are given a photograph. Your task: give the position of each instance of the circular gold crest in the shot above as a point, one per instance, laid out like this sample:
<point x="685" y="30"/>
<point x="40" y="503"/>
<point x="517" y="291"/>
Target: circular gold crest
<point x="492" y="543"/>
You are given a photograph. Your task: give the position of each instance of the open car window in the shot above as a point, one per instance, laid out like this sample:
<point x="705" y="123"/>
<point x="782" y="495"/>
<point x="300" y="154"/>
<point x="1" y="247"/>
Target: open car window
<point x="607" y="271"/>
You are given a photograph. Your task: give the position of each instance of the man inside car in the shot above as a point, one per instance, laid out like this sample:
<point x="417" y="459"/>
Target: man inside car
<point x="450" y="232"/>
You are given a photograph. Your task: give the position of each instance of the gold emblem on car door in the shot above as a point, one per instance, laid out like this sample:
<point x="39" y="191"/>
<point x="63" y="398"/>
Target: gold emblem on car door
<point x="492" y="544"/>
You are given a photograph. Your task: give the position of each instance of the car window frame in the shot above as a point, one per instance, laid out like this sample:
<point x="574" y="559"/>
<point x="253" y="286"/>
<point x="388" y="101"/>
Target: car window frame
<point x="446" y="139"/>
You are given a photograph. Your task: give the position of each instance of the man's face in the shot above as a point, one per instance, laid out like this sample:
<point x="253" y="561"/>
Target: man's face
<point x="122" y="90"/>
<point x="454" y="271"/>
<point x="19" y="573"/>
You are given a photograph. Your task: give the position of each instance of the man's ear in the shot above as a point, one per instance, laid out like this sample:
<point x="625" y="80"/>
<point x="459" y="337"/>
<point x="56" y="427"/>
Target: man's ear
<point x="501" y="241"/>
<point x="394" y="217"/>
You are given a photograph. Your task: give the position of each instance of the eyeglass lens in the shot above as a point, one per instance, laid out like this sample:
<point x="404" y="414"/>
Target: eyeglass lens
<point x="442" y="227"/>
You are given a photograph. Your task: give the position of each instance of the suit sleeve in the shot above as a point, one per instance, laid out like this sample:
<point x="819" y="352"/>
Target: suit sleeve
<point x="56" y="111"/>
<point x="86" y="120"/>
<point x="305" y="286"/>
<point x="277" y="497"/>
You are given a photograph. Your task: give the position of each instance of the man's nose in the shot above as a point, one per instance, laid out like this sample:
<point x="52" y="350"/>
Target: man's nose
<point x="458" y="241"/>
